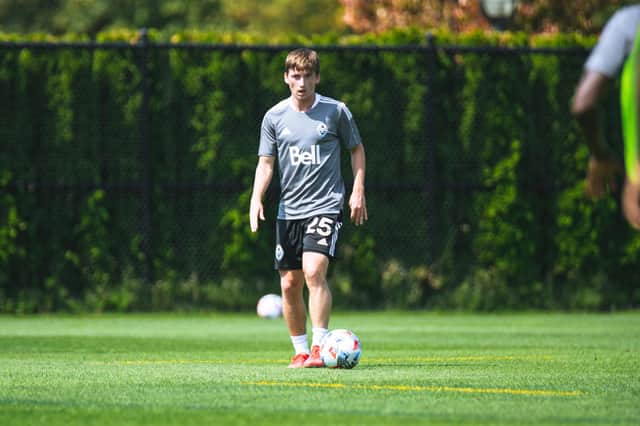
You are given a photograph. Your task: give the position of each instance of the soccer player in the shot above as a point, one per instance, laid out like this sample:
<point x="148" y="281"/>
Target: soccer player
<point x="304" y="134"/>
<point x="605" y="62"/>
<point x="629" y="100"/>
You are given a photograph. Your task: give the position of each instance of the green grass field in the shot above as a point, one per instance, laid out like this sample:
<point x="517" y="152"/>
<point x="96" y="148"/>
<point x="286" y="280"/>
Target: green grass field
<point x="417" y="368"/>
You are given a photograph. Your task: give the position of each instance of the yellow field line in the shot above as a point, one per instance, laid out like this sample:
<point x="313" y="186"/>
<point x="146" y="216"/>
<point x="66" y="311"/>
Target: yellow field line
<point x="477" y="358"/>
<point x="405" y="388"/>
<point x="189" y="361"/>
<point x="390" y="361"/>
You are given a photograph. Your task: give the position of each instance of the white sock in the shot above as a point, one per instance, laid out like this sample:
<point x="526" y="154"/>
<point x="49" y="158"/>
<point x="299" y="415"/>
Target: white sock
<point x="318" y="335"/>
<point x="300" y="344"/>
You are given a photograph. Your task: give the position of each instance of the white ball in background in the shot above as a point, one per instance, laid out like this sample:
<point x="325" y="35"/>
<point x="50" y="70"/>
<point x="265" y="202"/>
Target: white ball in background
<point x="269" y="306"/>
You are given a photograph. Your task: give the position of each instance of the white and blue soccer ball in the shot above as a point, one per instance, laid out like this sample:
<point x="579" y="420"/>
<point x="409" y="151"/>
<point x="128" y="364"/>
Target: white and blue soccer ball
<point x="341" y="348"/>
<point x="269" y="306"/>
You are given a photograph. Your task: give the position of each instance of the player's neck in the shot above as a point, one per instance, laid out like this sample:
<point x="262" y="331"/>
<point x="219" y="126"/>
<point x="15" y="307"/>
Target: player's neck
<point x="303" y="105"/>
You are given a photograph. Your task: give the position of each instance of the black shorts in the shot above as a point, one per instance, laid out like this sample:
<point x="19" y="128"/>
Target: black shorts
<point x="293" y="237"/>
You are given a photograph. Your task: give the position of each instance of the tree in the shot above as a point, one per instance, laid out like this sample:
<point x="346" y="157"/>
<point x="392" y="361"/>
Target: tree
<point x="285" y="16"/>
<point x="92" y="16"/>
<point x="293" y="16"/>
<point x="587" y="16"/>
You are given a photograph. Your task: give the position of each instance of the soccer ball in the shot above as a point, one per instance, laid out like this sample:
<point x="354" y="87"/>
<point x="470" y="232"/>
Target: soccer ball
<point x="340" y="349"/>
<point x="269" y="306"/>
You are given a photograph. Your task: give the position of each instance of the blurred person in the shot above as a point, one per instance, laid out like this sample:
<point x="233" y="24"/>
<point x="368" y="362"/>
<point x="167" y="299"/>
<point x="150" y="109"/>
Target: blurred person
<point x="304" y="134"/>
<point x="616" y="50"/>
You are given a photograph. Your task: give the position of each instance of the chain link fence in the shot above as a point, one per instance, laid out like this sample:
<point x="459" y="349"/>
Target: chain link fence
<point x="151" y="154"/>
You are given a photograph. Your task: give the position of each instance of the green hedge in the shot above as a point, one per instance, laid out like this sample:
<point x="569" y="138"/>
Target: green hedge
<point x="506" y="226"/>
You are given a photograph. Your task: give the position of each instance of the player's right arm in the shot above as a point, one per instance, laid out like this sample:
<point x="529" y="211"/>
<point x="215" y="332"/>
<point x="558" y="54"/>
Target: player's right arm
<point x="264" y="173"/>
<point x="603" y="166"/>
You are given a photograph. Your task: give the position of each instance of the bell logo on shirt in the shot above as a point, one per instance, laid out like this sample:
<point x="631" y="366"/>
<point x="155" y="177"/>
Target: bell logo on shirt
<point x="298" y="156"/>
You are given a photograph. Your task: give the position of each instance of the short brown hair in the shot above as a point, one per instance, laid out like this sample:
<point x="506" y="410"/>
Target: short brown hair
<point x="302" y="59"/>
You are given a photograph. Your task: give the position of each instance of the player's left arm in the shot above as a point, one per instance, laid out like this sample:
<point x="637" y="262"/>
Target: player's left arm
<point x="357" y="201"/>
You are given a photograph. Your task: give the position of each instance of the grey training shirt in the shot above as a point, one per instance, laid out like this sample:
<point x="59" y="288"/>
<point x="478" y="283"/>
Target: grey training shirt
<point x="615" y="42"/>
<point x="307" y="146"/>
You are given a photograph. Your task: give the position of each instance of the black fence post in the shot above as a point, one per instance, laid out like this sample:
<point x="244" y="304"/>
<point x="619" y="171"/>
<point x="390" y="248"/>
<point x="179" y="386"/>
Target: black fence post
<point x="430" y="151"/>
<point x="145" y="160"/>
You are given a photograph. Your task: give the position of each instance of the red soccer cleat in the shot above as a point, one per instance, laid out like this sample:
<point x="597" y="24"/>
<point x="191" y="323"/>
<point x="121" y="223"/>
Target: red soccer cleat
<point x="298" y="360"/>
<point x="314" y="360"/>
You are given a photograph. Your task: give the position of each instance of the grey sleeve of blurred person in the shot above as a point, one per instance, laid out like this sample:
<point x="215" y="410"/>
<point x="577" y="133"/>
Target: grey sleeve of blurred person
<point x="615" y="42"/>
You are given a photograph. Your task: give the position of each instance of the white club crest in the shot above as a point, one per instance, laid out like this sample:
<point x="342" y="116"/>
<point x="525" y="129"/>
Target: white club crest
<point x="279" y="252"/>
<point x="322" y="130"/>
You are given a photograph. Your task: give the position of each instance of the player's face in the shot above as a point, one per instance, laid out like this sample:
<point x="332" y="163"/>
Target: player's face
<point x="302" y="83"/>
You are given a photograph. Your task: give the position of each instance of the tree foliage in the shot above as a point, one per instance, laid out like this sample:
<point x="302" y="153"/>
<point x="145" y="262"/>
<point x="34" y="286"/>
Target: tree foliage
<point x="92" y="16"/>
<point x="587" y="16"/>
<point x="306" y="18"/>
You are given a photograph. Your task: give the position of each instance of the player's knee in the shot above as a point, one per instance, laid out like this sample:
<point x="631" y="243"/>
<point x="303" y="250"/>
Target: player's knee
<point x="290" y="284"/>
<point x="315" y="275"/>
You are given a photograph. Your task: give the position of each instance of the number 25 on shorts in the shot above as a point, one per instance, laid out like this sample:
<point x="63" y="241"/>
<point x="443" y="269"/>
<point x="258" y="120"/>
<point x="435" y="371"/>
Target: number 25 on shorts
<point x="320" y="225"/>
